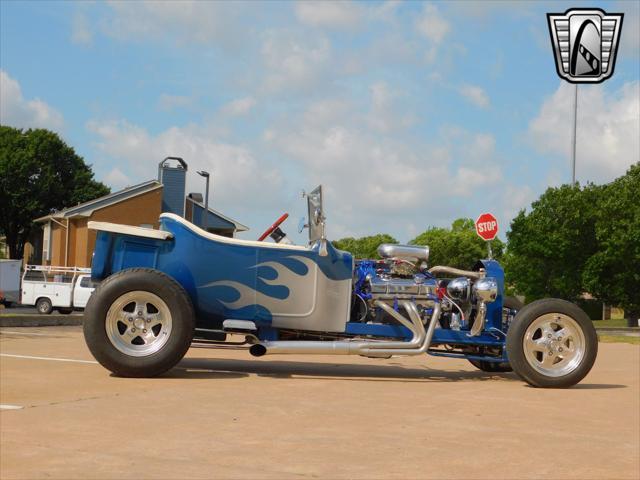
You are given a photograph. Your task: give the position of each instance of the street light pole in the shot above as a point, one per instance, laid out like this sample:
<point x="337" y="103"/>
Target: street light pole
<point x="575" y="127"/>
<point x="205" y="214"/>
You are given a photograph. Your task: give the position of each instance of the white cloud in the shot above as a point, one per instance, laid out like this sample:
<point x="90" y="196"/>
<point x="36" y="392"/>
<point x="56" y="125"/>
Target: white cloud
<point x="240" y="106"/>
<point x="235" y="170"/>
<point x="475" y="94"/>
<point x="330" y="14"/>
<point x="16" y="111"/>
<point x="375" y="182"/>
<point x="171" y="102"/>
<point x="81" y="33"/>
<point x="116" y="179"/>
<point x="432" y="25"/>
<point x="386" y="10"/>
<point x="384" y="115"/>
<point x="607" y="134"/>
<point x="188" y="21"/>
<point x="294" y="62"/>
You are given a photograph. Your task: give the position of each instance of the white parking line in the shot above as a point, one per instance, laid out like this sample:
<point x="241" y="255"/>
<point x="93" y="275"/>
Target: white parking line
<point x="10" y="407"/>
<point x="29" y="357"/>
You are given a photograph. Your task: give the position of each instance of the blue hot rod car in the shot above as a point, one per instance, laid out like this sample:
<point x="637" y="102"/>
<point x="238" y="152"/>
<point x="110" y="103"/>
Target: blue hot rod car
<point x="163" y="290"/>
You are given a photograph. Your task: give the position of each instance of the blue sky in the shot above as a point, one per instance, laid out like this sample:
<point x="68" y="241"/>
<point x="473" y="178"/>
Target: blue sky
<point x="410" y="114"/>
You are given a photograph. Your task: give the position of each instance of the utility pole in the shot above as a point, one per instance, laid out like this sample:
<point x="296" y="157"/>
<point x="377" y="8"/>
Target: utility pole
<point x="575" y="127"/>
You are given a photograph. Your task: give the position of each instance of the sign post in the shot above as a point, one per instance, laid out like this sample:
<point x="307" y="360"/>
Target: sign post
<point x="487" y="229"/>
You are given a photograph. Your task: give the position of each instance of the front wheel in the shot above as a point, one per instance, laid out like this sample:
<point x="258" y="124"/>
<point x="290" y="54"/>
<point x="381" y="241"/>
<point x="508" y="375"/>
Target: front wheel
<point x="139" y="323"/>
<point x="552" y="343"/>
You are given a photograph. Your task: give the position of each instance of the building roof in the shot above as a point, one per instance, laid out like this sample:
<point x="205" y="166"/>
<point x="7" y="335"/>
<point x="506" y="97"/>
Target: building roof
<point x="215" y="218"/>
<point x="86" y="209"/>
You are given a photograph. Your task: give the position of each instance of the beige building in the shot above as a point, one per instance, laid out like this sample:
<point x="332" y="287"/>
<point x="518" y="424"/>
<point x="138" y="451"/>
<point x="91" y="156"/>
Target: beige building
<point x="66" y="240"/>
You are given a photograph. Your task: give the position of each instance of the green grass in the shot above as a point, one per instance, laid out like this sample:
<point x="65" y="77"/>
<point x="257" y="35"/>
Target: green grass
<point x="615" y="322"/>
<point x="619" y="339"/>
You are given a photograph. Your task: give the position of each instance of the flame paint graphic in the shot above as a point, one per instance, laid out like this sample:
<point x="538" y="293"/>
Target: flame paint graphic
<point x="300" y="299"/>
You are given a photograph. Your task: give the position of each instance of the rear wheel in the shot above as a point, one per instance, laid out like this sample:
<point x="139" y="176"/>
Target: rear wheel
<point x="43" y="306"/>
<point x="139" y="323"/>
<point x="552" y="343"/>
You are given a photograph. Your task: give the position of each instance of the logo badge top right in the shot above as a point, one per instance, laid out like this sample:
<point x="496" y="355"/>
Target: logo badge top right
<point x="585" y="43"/>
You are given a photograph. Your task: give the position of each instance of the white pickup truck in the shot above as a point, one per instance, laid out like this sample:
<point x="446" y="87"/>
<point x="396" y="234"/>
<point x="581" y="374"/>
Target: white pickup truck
<point x="63" y="288"/>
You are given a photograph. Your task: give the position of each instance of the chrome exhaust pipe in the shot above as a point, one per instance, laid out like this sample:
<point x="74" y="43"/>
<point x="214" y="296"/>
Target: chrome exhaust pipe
<point x="369" y="348"/>
<point x="457" y="272"/>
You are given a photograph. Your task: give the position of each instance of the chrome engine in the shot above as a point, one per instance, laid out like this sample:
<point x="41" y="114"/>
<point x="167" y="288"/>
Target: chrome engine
<point x="398" y="276"/>
<point x="403" y="278"/>
<point x="402" y="275"/>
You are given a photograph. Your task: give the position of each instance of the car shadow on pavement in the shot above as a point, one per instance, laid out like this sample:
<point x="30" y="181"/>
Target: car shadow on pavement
<point x="204" y="367"/>
<point x="591" y="386"/>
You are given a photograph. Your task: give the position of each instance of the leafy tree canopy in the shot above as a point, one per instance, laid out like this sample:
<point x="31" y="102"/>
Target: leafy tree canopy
<point x="365" y="247"/>
<point x="458" y="246"/>
<point x="549" y="246"/>
<point x="612" y="273"/>
<point x="38" y="173"/>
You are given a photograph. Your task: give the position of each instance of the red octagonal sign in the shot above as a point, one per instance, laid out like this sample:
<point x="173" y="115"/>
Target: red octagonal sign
<point x="487" y="226"/>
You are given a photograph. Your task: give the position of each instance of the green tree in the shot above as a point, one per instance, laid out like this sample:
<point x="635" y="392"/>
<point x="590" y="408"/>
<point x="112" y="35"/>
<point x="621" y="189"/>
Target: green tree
<point x="458" y="246"/>
<point x="364" y="247"/>
<point x="38" y="173"/>
<point x="549" y="246"/>
<point x="612" y="273"/>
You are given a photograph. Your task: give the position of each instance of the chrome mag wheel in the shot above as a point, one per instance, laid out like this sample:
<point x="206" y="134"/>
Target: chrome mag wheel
<point x="138" y="323"/>
<point x="554" y="344"/>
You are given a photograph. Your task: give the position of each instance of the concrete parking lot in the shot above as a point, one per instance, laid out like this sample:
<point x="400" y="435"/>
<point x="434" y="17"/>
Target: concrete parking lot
<point x="223" y="414"/>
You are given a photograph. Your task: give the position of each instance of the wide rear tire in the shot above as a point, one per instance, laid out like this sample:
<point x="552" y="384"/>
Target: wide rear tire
<point x="552" y="343"/>
<point x="139" y="323"/>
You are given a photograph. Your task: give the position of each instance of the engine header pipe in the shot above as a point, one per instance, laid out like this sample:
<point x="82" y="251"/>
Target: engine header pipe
<point x="367" y="348"/>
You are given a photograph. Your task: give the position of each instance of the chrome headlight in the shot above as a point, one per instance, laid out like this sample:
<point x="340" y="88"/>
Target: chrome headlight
<point x="459" y="288"/>
<point x="486" y="289"/>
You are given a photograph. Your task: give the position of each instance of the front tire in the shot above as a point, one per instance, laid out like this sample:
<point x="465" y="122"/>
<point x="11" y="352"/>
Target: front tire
<point x="552" y="344"/>
<point x="139" y="323"/>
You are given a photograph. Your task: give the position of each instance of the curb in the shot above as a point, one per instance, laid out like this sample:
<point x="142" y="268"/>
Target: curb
<point x="629" y="332"/>
<point x="40" y="320"/>
<point x="618" y="329"/>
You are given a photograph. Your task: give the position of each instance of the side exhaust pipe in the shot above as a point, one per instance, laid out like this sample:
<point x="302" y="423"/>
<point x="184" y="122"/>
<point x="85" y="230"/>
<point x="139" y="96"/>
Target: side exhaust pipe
<point x="418" y="344"/>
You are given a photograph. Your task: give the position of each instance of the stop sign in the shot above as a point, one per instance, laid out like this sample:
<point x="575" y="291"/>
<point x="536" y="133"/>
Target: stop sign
<point x="487" y="226"/>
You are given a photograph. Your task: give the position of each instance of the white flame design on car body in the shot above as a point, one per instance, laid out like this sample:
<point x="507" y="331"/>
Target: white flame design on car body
<point x="302" y="290"/>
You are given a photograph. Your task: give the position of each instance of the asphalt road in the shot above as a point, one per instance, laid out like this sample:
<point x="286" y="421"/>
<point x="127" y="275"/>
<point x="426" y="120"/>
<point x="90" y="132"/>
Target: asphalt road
<point x="18" y="310"/>
<point x="223" y="414"/>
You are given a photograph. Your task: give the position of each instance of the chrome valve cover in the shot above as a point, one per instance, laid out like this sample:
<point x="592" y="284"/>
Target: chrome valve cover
<point x="401" y="287"/>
